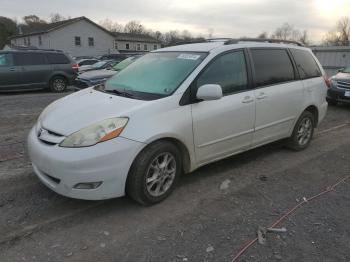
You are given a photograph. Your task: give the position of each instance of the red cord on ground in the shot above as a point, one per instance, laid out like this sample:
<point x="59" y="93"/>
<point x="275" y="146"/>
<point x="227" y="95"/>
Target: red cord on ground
<point x="289" y="212"/>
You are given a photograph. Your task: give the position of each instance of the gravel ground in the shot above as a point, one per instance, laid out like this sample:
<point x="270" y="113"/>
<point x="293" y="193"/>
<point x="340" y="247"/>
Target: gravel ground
<point x="212" y="213"/>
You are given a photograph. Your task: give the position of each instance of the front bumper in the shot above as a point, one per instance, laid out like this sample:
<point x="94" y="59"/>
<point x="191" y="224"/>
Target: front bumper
<point x="61" y="169"/>
<point x="336" y="94"/>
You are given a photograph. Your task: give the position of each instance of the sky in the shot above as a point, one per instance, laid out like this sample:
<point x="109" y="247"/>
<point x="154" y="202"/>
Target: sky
<point x="224" y="18"/>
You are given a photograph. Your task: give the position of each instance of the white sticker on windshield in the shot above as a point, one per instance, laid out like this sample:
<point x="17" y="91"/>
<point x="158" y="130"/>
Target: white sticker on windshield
<point x="189" y="56"/>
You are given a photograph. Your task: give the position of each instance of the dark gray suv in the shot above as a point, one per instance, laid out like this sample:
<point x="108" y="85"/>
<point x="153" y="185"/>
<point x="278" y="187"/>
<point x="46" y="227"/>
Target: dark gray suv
<point x="36" y="69"/>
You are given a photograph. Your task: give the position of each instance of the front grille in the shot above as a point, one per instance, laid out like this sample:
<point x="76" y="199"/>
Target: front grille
<point x="53" y="179"/>
<point x="49" y="137"/>
<point x="343" y="85"/>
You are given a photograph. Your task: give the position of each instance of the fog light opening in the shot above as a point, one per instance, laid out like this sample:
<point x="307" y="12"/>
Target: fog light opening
<point x="91" y="185"/>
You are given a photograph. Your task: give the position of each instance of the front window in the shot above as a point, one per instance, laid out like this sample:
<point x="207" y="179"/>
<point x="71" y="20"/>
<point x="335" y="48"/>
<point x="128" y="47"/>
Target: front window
<point x="91" y="41"/>
<point x="77" y="41"/>
<point x="155" y="74"/>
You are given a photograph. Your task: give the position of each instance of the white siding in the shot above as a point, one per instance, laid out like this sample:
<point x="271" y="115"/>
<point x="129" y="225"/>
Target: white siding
<point x="64" y="39"/>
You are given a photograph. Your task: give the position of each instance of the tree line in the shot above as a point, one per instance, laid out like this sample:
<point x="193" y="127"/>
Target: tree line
<point x="339" y="36"/>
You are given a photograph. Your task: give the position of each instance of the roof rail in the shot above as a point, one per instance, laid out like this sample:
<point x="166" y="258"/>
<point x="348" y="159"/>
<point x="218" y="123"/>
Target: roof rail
<point x="33" y="48"/>
<point x="220" y="39"/>
<point x="267" y="40"/>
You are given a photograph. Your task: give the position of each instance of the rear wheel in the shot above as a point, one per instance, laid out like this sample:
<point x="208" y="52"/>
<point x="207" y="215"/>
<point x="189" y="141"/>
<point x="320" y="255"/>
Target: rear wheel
<point x="303" y="132"/>
<point x="154" y="173"/>
<point x="58" y="84"/>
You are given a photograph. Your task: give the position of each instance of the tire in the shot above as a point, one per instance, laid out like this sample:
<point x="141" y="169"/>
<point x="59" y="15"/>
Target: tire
<point x="303" y="132"/>
<point x="332" y="102"/>
<point x="58" y="84"/>
<point x="150" y="165"/>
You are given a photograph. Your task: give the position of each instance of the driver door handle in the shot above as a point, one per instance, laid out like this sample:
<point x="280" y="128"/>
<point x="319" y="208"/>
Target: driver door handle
<point x="261" y="96"/>
<point x="247" y="99"/>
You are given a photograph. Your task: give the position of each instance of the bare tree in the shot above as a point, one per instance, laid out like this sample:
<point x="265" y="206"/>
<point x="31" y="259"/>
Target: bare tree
<point x="56" y="17"/>
<point x="135" y="27"/>
<point x="111" y="26"/>
<point x="340" y="36"/>
<point x="263" y="35"/>
<point x="289" y="32"/>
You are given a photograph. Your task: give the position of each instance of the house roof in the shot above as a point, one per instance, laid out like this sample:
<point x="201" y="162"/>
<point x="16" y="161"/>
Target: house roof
<point x="135" y="37"/>
<point x="45" y="28"/>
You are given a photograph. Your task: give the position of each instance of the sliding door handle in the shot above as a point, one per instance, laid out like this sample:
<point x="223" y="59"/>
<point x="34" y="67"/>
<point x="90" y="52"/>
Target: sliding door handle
<point x="247" y="100"/>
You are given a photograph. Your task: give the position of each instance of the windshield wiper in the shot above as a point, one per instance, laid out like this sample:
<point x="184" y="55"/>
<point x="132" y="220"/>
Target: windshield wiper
<point x="120" y="93"/>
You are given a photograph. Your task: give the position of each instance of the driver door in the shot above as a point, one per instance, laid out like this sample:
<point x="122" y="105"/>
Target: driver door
<point x="225" y="126"/>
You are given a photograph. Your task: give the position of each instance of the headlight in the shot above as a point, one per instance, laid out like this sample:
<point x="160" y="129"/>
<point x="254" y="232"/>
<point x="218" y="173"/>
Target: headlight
<point x="100" y="132"/>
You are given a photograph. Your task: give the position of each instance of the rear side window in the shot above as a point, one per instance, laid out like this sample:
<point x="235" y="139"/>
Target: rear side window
<point x="272" y="66"/>
<point x="57" y="58"/>
<point x="24" y="59"/>
<point x="6" y="60"/>
<point x="228" y="71"/>
<point x="306" y="64"/>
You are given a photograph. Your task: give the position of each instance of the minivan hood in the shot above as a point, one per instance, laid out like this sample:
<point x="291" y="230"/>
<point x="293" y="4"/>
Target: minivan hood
<point x="84" y="108"/>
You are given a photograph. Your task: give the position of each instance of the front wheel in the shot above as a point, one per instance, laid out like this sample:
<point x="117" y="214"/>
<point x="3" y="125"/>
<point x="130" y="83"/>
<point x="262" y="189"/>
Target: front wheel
<point x="303" y="132"/>
<point x="58" y="84"/>
<point x="154" y="173"/>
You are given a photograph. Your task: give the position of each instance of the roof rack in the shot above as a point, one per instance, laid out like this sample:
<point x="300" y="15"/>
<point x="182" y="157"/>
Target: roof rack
<point x="32" y="48"/>
<point x="219" y="39"/>
<point x="268" y="40"/>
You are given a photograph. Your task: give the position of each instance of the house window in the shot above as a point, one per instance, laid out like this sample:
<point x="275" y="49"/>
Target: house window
<point x="145" y="47"/>
<point x="40" y="40"/>
<point x="115" y="44"/>
<point x="155" y="47"/>
<point x="127" y="46"/>
<point x="138" y="47"/>
<point x="91" y="41"/>
<point x="25" y="41"/>
<point x="28" y="40"/>
<point x="77" y="41"/>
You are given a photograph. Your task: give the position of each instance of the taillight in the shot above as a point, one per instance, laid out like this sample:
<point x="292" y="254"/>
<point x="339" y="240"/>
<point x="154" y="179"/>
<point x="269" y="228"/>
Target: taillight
<point x="75" y="66"/>
<point x="327" y="81"/>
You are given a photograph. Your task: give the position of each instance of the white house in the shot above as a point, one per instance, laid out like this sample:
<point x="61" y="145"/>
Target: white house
<point x="82" y="37"/>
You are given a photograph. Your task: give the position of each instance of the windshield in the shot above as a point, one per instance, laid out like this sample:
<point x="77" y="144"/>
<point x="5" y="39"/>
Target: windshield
<point x="346" y="70"/>
<point x="123" y="64"/>
<point x="99" y="64"/>
<point x="156" y="73"/>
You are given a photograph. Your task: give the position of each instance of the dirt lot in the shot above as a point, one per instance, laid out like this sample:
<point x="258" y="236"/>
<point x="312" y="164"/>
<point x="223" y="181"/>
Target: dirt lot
<point x="213" y="212"/>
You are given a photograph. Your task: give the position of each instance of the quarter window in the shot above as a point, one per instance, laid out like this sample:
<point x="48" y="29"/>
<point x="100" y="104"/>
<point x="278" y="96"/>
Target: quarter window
<point x="91" y="41"/>
<point x="57" y="58"/>
<point x="272" y="66"/>
<point x="77" y="41"/>
<point x="24" y="59"/>
<point x="306" y="64"/>
<point x="228" y="71"/>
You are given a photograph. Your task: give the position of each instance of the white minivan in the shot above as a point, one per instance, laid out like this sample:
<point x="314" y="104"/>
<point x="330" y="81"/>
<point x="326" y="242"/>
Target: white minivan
<point x="174" y="110"/>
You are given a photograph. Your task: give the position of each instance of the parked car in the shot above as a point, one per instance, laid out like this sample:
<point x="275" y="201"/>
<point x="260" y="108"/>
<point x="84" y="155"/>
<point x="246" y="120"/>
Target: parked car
<point x="105" y="64"/>
<point x="36" y="69"/>
<point x="340" y="87"/>
<point x="95" y="77"/>
<point x="84" y="62"/>
<point x="83" y="57"/>
<point x="117" y="57"/>
<point x="174" y="110"/>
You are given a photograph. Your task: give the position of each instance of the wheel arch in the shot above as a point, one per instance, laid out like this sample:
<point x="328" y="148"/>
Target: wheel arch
<point x="313" y="110"/>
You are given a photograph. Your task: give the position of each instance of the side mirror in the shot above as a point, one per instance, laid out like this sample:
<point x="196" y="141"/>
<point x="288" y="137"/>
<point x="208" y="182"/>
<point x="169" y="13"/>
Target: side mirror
<point x="341" y="70"/>
<point x="209" y="92"/>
